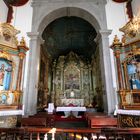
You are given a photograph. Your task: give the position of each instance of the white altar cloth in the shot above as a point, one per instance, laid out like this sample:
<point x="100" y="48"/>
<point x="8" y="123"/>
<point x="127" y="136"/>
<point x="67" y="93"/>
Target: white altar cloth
<point x="75" y="102"/>
<point x="128" y="112"/>
<point x="11" y="112"/>
<point x="69" y="110"/>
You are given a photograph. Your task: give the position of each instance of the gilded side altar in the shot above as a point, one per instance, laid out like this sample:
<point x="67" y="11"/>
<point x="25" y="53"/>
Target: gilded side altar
<point x="12" y="54"/>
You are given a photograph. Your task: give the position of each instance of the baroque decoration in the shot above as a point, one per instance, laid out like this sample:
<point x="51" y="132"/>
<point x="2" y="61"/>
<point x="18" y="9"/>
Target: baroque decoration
<point x="12" y="54"/>
<point x="71" y="76"/>
<point x="127" y="53"/>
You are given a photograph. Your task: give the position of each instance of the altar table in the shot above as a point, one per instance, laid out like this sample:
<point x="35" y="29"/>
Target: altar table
<point x="8" y="118"/>
<point x="128" y="112"/>
<point x="11" y="112"/>
<point x="69" y="110"/>
<point x="128" y="118"/>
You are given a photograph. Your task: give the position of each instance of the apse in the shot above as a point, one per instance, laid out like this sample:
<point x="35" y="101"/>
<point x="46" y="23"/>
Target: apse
<point x="70" y="34"/>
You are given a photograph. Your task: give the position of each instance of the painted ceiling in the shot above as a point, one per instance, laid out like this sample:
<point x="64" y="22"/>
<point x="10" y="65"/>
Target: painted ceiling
<point x="69" y="34"/>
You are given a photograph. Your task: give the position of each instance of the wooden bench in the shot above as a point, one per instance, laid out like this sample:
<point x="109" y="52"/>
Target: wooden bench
<point x="33" y="122"/>
<point x="50" y="118"/>
<point x="102" y="122"/>
<point x="94" y="114"/>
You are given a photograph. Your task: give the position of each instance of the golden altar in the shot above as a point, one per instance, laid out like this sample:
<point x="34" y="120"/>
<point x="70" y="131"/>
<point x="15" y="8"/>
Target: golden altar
<point x="12" y="54"/>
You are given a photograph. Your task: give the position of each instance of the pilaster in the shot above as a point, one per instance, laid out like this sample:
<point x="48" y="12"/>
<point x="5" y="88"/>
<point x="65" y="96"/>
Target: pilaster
<point x="108" y="92"/>
<point x="30" y="97"/>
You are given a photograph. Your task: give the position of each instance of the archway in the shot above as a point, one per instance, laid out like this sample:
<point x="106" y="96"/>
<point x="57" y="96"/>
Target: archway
<point x="73" y="64"/>
<point x="96" y="17"/>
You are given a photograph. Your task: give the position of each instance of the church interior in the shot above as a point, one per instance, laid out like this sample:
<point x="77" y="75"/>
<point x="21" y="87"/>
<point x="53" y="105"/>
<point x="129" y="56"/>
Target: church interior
<point x="57" y="82"/>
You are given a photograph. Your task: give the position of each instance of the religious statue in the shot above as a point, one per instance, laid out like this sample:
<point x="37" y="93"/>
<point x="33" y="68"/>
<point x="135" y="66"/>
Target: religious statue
<point x="72" y="94"/>
<point x="2" y="72"/>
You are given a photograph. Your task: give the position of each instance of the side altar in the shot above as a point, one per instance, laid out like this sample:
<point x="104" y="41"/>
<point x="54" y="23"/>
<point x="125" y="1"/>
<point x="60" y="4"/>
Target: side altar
<point x="12" y="54"/>
<point x="127" y="55"/>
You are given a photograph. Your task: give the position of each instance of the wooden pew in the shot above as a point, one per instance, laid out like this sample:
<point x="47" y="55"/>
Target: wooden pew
<point x="94" y="114"/>
<point x="50" y="118"/>
<point x="33" y="122"/>
<point x="102" y="122"/>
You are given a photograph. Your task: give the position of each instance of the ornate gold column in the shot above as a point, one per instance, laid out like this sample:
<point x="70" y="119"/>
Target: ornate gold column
<point x="126" y="79"/>
<point x="22" y="50"/>
<point x="54" y="75"/>
<point x="81" y="75"/>
<point x="116" y="48"/>
<point x="90" y="79"/>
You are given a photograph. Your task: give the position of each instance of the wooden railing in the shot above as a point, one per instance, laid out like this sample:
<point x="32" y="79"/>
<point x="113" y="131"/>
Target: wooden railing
<point x="31" y="133"/>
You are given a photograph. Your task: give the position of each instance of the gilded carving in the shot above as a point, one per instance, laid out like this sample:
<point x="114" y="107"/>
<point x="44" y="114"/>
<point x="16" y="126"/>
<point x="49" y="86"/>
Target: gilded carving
<point x="8" y="121"/>
<point x="8" y="35"/>
<point x="10" y="66"/>
<point x="71" y="78"/>
<point x="127" y="53"/>
<point x="129" y="121"/>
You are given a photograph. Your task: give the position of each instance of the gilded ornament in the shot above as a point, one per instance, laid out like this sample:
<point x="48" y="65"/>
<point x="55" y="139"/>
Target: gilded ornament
<point x="116" y="40"/>
<point x="5" y="55"/>
<point x="11" y="121"/>
<point x="22" y="42"/>
<point x="123" y="39"/>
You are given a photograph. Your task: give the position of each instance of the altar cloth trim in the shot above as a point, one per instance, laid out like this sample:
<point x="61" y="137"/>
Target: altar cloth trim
<point x="70" y="109"/>
<point x="128" y="112"/>
<point x="11" y="112"/>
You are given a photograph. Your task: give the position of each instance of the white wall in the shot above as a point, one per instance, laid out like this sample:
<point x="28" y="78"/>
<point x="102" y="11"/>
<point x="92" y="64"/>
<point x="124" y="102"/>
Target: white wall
<point x="3" y="11"/>
<point x="22" y="19"/>
<point x="116" y="18"/>
<point x="136" y="7"/>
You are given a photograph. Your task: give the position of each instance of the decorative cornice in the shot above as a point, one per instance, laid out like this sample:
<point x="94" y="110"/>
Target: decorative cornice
<point x="42" y="2"/>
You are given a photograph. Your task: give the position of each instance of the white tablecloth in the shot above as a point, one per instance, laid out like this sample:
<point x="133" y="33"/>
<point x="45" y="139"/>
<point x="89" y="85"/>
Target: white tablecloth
<point x="11" y="112"/>
<point x="70" y="109"/>
<point x="128" y="112"/>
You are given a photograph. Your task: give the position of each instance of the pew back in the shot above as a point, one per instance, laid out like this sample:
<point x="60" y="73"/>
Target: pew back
<point x="34" y="122"/>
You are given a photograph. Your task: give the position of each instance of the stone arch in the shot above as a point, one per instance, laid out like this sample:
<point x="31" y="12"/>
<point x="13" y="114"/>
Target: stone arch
<point x="44" y="12"/>
<point x="73" y="11"/>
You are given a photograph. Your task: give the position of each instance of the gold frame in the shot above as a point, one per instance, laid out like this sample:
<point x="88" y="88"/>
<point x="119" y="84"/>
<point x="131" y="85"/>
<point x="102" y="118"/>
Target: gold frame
<point x="126" y="94"/>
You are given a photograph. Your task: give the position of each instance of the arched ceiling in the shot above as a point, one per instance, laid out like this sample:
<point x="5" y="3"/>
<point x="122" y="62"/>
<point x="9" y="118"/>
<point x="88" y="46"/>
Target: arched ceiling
<point x="69" y="34"/>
